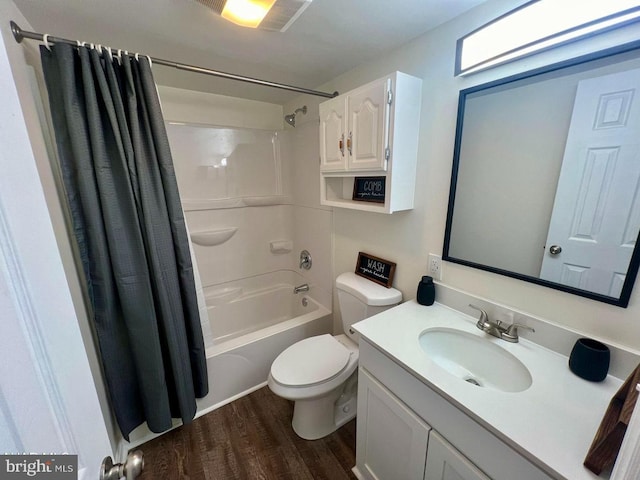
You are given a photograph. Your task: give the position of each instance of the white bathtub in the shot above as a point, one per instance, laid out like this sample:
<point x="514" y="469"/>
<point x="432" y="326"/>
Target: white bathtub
<point x="251" y="324"/>
<point x="257" y="310"/>
<point x="249" y="330"/>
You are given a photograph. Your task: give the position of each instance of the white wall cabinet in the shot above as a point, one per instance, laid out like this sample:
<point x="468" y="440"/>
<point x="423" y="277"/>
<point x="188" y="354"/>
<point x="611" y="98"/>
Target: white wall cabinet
<point x="368" y="111"/>
<point x="333" y="142"/>
<point x="371" y="131"/>
<point x="354" y="129"/>
<point x="406" y="430"/>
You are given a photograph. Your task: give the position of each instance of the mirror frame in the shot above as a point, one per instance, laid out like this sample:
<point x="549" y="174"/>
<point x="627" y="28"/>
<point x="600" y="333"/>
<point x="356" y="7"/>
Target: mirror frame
<point x="634" y="264"/>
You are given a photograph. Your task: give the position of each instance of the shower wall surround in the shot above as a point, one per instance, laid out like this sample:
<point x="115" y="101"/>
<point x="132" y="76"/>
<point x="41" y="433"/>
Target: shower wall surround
<point x="221" y="167"/>
<point x="230" y="182"/>
<point x="245" y="183"/>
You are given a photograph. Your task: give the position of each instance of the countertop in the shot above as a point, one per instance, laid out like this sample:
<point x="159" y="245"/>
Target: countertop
<point x="552" y="423"/>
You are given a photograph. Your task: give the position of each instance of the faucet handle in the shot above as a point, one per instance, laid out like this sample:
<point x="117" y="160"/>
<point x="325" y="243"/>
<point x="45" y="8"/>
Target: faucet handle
<point x="511" y="333"/>
<point x="484" y="318"/>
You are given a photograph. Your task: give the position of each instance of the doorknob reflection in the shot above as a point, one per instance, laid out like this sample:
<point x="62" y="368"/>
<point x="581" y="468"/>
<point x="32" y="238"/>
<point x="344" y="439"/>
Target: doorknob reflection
<point x="555" y="249"/>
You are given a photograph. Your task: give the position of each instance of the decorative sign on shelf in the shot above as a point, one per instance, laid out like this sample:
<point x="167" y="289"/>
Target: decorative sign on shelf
<point x="375" y="269"/>
<point x="608" y="440"/>
<point x="369" y="189"/>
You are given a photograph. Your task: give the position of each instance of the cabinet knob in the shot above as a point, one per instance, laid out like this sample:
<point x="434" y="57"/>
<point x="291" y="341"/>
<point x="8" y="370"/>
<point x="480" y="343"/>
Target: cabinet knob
<point x="349" y="142"/>
<point x="341" y="144"/>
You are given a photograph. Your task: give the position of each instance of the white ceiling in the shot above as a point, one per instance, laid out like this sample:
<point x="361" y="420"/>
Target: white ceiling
<point x="328" y="39"/>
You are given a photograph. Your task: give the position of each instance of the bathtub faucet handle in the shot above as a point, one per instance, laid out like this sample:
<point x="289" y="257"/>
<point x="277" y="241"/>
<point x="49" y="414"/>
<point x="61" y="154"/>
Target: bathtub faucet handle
<point x="301" y="288"/>
<point x="305" y="260"/>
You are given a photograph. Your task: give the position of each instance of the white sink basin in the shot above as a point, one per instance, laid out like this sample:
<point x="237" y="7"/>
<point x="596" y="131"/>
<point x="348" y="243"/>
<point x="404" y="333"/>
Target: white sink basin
<point x="475" y="359"/>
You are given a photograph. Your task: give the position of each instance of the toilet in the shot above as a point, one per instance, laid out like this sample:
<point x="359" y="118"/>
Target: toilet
<point x="320" y="374"/>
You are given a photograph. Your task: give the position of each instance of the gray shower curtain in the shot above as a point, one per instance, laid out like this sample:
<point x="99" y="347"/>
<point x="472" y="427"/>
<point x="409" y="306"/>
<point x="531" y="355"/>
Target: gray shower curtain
<point x="127" y="219"/>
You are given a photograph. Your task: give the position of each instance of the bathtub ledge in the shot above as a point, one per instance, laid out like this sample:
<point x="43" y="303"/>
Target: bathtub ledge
<point x="223" y="295"/>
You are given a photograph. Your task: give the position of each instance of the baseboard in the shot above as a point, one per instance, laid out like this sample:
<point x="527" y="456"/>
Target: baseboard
<point x="357" y="473"/>
<point x="124" y="447"/>
<point x="226" y="401"/>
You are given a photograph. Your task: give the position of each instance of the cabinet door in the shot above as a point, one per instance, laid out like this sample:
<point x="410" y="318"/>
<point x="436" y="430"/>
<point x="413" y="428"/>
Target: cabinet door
<point x="391" y="439"/>
<point x="367" y="137"/>
<point x="444" y="462"/>
<point x="333" y="147"/>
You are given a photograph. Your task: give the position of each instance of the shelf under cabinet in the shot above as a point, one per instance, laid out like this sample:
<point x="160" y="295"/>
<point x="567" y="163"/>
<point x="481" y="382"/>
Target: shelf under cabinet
<point x="337" y="191"/>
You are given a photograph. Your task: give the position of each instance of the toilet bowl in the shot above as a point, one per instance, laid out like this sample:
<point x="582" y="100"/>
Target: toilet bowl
<point x="320" y="373"/>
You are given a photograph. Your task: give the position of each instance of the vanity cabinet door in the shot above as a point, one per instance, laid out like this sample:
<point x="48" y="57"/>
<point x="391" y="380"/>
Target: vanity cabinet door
<point x="391" y="439"/>
<point x="444" y="462"/>
<point x="333" y="141"/>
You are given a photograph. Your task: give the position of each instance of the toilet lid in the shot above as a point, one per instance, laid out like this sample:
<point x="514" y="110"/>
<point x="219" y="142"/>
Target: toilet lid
<point x="309" y="361"/>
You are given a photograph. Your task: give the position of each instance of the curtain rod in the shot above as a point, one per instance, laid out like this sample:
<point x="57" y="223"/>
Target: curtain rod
<point x="20" y="35"/>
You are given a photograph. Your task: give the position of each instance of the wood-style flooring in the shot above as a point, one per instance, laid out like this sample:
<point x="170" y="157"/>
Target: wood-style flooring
<point x="250" y="438"/>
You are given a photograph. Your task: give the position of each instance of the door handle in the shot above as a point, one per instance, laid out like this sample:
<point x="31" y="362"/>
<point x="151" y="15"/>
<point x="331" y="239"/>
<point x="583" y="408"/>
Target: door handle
<point x="131" y="468"/>
<point x="349" y="142"/>
<point x="555" y="249"/>
<point x="341" y="144"/>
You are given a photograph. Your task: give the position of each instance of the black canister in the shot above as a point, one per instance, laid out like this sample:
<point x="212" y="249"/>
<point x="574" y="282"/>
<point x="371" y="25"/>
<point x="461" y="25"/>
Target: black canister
<point x="589" y="359"/>
<point x="426" y="291"/>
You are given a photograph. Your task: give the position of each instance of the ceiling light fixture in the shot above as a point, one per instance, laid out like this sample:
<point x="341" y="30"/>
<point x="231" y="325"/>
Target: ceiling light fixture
<point x="247" y="13"/>
<point x="271" y="15"/>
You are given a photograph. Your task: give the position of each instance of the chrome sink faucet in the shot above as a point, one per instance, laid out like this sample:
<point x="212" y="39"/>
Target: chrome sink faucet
<point x="498" y="329"/>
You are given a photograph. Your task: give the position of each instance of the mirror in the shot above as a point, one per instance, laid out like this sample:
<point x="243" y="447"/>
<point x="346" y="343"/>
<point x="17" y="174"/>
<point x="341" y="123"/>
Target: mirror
<point x="546" y="176"/>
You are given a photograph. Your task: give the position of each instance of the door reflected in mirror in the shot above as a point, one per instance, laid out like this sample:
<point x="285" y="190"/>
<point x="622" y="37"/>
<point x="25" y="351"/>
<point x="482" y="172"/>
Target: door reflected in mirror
<point x="546" y="176"/>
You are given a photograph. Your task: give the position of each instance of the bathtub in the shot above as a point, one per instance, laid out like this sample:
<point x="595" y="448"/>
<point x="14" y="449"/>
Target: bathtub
<point x="250" y="327"/>
<point x="257" y="310"/>
<point x="251" y="322"/>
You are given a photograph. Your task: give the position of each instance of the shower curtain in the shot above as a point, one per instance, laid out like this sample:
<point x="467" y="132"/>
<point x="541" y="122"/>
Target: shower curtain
<point x="128" y="222"/>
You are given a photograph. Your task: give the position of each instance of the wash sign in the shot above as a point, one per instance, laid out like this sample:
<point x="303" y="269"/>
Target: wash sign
<point x="375" y="269"/>
<point x="39" y="467"/>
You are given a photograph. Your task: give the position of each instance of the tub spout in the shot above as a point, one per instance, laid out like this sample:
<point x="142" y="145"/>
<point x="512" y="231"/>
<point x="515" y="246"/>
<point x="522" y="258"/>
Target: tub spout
<point x="301" y="288"/>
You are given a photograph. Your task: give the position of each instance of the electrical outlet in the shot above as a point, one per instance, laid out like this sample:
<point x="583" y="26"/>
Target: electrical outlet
<point x="435" y="266"/>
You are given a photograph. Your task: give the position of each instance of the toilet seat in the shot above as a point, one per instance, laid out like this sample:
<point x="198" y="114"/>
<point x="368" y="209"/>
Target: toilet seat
<point x="310" y="361"/>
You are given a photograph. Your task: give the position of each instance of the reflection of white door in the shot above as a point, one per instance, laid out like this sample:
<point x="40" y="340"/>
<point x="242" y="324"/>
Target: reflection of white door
<point x="596" y="214"/>
<point x="48" y="400"/>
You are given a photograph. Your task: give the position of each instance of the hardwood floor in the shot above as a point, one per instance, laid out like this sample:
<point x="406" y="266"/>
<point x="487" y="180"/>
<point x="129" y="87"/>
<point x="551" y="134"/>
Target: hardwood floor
<point x="250" y="438"/>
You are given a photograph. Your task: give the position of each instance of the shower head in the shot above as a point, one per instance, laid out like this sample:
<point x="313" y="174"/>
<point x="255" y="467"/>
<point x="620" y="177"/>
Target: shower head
<point x="291" y="118"/>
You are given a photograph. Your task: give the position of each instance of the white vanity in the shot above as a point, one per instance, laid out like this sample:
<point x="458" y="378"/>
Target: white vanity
<point x="419" y="419"/>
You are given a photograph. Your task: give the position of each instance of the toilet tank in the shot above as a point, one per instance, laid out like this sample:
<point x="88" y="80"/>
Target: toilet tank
<point x="360" y="298"/>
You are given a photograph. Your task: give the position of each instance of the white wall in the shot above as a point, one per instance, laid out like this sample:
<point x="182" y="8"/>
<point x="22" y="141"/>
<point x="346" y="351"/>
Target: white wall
<point x="27" y="73"/>
<point x="50" y="384"/>
<point x="408" y="237"/>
